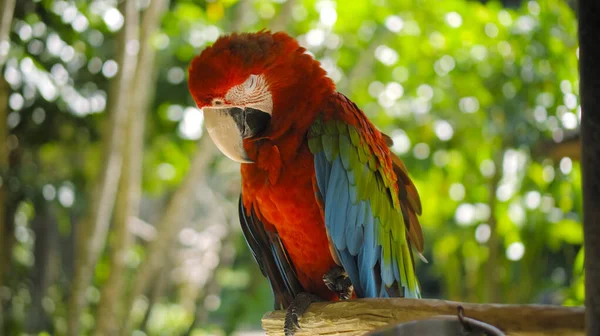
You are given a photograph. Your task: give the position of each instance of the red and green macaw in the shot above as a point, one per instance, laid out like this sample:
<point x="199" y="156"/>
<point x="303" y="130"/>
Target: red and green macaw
<point x="320" y="187"/>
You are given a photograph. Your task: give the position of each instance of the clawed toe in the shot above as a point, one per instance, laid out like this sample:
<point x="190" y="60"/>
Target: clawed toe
<point x="337" y="280"/>
<point x="295" y="310"/>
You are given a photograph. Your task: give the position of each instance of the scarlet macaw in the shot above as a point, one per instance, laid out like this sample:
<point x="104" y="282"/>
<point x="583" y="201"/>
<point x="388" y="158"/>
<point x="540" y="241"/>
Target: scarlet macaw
<point x="320" y="187"/>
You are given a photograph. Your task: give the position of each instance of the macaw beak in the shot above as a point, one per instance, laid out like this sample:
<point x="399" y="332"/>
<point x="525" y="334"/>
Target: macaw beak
<point x="229" y="126"/>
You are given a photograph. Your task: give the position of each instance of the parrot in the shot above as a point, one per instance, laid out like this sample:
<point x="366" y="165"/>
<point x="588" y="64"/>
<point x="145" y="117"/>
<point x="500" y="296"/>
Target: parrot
<point x="328" y="211"/>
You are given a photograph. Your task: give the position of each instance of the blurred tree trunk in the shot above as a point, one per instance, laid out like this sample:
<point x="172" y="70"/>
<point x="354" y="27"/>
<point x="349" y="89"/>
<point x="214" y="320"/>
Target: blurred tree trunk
<point x="241" y="16"/>
<point x="176" y="213"/>
<point x="44" y="227"/>
<point x="589" y="53"/>
<point x="156" y="292"/>
<point x="66" y="249"/>
<point x="212" y="286"/>
<point x="225" y="248"/>
<point x="4" y="89"/>
<point x="92" y="230"/>
<point x="366" y="61"/>
<point x="284" y="17"/>
<point x="4" y="220"/>
<point x="7" y="8"/>
<point x="492" y="279"/>
<point x="130" y="186"/>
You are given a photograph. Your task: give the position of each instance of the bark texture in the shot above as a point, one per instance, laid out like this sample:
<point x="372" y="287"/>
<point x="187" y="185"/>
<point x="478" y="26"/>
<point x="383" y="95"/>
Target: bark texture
<point x="356" y="317"/>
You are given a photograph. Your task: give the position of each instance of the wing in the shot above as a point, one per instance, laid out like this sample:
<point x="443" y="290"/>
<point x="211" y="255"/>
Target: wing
<point x="370" y="205"/>
<point x="272" y="258"/>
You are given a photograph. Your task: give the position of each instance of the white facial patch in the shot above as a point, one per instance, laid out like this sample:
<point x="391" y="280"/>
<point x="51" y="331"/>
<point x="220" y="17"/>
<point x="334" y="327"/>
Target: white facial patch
<point x="254" y="93"/>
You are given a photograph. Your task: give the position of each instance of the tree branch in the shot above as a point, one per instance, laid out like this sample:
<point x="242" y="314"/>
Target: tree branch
<point x="356" y="317"/>
<point x="570" y="147"/>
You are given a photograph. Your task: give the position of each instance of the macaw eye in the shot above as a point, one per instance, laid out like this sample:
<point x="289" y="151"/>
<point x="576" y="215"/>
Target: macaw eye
<point x="250" y="83"/>
<point x="217" y="102"/>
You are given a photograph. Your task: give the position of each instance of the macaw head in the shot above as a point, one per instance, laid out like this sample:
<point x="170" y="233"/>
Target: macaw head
<point x="250" y="86"/>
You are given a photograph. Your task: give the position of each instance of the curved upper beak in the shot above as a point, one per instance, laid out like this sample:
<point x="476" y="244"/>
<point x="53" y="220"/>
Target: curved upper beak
<point x="229" y="126"/>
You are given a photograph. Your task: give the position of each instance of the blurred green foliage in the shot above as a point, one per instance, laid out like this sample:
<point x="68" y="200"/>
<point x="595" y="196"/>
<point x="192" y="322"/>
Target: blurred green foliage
<point x="466" y="90"/>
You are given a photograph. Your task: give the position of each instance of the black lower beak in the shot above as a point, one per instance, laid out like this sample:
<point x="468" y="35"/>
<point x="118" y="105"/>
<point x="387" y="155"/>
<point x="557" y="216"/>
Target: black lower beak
<point x="250" y="122"/>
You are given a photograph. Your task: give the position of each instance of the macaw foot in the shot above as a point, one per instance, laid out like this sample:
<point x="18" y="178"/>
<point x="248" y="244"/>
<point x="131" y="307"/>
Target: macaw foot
<point x="337" y="280"/>
<point x="295" y="310"/>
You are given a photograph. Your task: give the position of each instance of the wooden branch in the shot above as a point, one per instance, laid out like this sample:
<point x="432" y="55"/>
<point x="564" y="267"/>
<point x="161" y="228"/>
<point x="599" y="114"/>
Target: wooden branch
<point x="356" y="317"/>
<point x="570" y="147"/>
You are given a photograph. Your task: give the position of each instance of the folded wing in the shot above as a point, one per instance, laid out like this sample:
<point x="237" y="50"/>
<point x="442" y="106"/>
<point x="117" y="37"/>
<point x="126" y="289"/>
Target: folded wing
<point x="369" y="203"/>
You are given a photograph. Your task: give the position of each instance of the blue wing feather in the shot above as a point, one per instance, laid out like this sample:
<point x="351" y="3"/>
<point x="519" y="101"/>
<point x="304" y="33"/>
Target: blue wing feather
<point x="354" y="229"/>
<point x="368" y="286"/>
<point x="351" y="267"/>
<point x="354" y="201"/>
<point x="336" y="208"/>
<point x="322" y="173"/>
<point x="370" y="246"/>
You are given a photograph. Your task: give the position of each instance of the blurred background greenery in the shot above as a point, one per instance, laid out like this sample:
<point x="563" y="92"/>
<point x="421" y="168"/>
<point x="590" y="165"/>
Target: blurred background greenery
<point x="95" y="114"/>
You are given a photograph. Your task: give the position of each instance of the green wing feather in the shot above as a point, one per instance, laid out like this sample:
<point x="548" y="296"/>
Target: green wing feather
<point x="369" y="207"/>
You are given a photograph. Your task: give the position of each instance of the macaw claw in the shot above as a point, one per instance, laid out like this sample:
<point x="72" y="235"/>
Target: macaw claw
<point x="337" y="280"/>
<point x="295" y="310"/>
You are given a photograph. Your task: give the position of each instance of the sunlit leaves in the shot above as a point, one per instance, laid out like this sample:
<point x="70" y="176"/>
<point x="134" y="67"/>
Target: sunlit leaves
<point x="566" y="231"/>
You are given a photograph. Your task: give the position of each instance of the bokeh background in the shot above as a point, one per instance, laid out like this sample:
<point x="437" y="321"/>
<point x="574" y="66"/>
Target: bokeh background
<point x="118" y="216"/>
